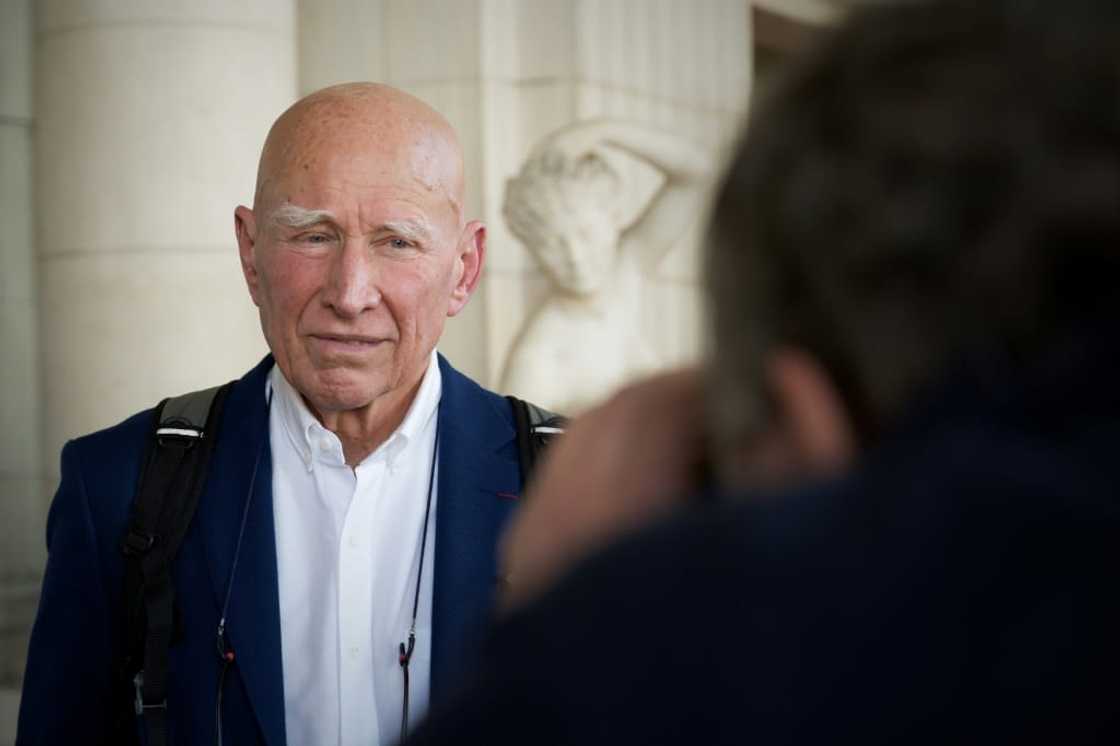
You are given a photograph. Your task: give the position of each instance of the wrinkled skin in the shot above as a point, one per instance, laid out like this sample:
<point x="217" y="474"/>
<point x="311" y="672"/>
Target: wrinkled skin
<point x="356" y="252"/>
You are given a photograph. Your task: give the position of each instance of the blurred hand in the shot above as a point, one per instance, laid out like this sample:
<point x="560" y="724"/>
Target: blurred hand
<point x="618" y="467"/>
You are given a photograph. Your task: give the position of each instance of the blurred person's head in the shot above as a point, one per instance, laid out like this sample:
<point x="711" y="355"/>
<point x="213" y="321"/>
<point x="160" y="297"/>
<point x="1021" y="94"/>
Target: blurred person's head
<point x="356" y="249"/>
<point x="938" y="186"/>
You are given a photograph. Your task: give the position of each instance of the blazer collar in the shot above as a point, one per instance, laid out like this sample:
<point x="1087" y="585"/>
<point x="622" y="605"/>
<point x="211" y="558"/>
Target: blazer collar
<point x="479" y="482"/>
<point x="238" y="494"/>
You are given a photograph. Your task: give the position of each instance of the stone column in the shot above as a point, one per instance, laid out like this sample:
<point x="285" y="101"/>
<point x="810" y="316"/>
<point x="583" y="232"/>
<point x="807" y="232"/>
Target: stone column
<point x="151" y="116"/>
<point x="22" y="504"/>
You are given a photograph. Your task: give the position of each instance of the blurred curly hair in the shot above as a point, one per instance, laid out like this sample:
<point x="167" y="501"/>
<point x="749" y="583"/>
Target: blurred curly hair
<point x="938" y="178"/>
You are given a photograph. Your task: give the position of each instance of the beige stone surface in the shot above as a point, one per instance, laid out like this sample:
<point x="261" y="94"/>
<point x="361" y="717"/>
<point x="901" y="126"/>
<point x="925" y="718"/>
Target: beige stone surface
<point x="689" y="53"/>
<point x="432" y="41"/>
<point x="683" y="263"/>
<point x="22" y="556"/>
<point x="465" y="342"/>
<point x="15" y="59"/>
<point x="138" y="144"/>
<point x="19" y="388"/>
<point x="9" y="709"/>
<point x="341" y="41"/>
<point x="529" y="41"/>
<point x="16" y="249"/>
<point x="124" y="330"/>
<point x="674" y="321"/>
<point x="22" y="542"/>
<point x="63" y="16"/>
<point x="22" y="498"/>
<point x="513" y="296"/>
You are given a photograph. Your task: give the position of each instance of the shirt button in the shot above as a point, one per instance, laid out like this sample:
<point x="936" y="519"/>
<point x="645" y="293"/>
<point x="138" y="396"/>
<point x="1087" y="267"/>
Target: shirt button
<point x="354" y="652"/>
<point x="354" y="543"/>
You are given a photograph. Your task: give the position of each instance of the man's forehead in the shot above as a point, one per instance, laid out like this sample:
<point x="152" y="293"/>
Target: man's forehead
<point x="359" y="171"/>
<point x="364" y="137"/>
<point x="357" y="199"/>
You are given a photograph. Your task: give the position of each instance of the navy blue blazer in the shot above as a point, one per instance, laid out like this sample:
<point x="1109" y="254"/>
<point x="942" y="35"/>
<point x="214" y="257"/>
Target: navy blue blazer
<point x="76" y="640"/>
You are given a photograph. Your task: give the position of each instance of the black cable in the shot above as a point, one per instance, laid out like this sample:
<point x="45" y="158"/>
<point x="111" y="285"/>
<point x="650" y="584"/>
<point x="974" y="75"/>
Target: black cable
<point x="406" y="652"/>
<point x="225" y="653"/>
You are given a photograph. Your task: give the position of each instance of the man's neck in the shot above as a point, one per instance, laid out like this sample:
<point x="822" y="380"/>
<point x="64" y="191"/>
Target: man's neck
<point x="362" y="431"/>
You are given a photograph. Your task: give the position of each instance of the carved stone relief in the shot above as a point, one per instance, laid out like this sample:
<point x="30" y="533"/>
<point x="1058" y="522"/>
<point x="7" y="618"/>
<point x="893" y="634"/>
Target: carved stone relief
<point x="598" y="204"/>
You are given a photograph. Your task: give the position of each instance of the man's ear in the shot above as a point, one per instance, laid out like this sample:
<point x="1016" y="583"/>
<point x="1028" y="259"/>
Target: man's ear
<point x="245" y="226"/>
<point x="468" y="265"/>
<point x="815" y="422"/>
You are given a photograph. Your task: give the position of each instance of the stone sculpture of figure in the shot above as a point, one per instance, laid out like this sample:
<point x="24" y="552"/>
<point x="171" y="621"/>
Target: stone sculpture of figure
<point x="598" y="204"/>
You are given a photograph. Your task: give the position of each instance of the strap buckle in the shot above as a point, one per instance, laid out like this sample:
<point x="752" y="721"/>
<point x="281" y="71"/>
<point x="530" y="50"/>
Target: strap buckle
<point x="139" y="705"/>
<point x="135" y="543"/>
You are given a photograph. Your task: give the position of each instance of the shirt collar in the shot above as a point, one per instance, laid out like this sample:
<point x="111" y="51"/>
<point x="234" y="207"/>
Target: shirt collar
<point x="311" y="440"/>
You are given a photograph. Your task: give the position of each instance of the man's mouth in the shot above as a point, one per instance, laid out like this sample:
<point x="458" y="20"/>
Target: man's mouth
<point x="354" y="342"/>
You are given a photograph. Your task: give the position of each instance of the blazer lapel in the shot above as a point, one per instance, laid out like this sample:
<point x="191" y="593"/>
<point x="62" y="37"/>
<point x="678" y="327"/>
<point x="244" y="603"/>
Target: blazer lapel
<point x="478" y="486"/>
<point x="241" y="471"/>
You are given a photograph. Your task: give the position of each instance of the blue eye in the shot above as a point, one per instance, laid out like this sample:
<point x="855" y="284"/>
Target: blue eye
<point x="399" y="243"/>
<point x="314" y="239"/>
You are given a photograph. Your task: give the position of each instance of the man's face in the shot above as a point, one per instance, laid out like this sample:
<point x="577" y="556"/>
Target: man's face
<point x="356" y="261"/>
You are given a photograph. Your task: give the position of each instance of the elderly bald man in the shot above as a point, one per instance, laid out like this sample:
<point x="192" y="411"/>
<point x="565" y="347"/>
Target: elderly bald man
<point x="346" y="461"/>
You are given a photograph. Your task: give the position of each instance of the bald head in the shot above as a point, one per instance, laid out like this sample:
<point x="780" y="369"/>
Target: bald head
<point x="389" y="131"/>
<point x="356" y="252"/>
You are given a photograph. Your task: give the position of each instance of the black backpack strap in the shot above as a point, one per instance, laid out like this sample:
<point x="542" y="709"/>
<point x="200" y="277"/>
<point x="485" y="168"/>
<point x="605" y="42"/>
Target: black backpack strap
<point x="536" y="427"/>
<point x="182" y="441"/>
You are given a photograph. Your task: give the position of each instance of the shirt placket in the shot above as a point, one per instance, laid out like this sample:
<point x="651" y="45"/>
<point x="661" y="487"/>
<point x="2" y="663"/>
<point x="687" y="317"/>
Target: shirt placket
<point x="355" y="609"/>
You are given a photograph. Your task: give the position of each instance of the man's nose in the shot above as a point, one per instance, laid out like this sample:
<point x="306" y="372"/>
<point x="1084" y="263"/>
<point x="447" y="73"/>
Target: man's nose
<point x="352" y="286"/>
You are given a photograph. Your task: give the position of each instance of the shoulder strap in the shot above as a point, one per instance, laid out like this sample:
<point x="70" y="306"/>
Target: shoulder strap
<point x="536" y="427"/>
<point x="182" y="441"/>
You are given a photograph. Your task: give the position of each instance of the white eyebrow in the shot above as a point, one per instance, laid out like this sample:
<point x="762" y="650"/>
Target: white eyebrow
<point x="294" y="216"/>
<point x="413" y="230"/>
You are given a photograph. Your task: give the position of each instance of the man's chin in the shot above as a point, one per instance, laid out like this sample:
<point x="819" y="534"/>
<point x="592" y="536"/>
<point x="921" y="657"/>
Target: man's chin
<point x="343" y="391"/>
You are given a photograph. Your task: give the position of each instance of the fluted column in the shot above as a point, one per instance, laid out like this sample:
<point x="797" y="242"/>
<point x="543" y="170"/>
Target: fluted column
<point x="22" y="504"/>
<point x="151" y="115"/>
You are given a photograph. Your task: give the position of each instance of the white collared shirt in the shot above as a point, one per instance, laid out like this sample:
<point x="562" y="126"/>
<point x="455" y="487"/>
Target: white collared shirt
<point x="347" y="554"/>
